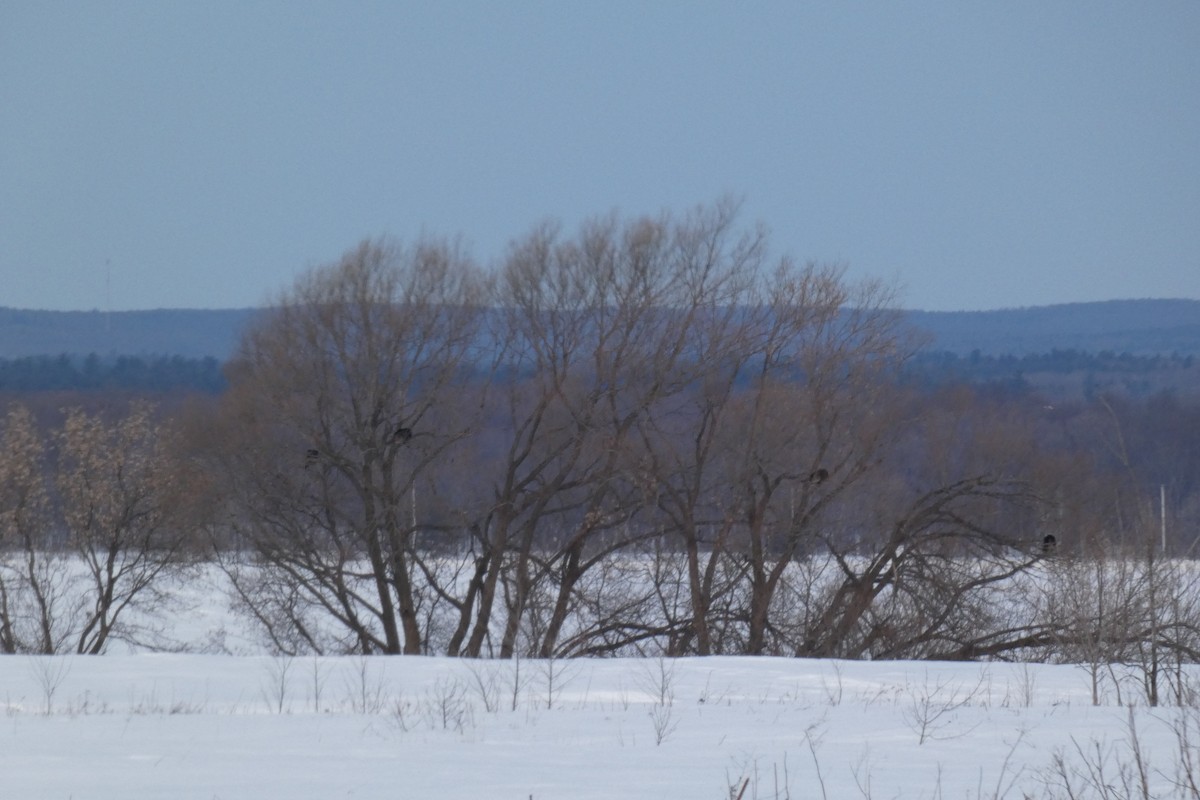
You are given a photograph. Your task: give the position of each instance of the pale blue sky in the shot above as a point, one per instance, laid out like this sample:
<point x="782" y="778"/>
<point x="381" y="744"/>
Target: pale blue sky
<point x="981" y="155"/>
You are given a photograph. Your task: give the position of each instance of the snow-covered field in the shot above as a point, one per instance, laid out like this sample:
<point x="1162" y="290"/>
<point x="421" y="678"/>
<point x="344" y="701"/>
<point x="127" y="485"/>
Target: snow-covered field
<point x="216" y="726"/>
<point x="222" y="719"/>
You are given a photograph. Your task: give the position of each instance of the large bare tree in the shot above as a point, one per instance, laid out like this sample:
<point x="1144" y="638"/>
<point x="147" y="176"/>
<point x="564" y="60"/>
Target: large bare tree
<point x="340" y="401"/>
<point x="595" y="331"/>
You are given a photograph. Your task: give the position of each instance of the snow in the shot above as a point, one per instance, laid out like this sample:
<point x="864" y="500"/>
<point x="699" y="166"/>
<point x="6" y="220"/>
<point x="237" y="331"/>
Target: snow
<point x="222" y="719"/>
<point x="147" y="725"/>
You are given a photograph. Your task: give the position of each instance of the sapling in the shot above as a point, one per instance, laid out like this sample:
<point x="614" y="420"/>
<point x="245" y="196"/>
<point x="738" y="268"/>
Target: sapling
<point x="49" y="672"/>
<point x="275" y="690"/>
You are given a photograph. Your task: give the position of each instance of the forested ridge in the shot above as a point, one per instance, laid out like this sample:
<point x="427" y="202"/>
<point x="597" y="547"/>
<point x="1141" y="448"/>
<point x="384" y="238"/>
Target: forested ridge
<point x="91" y="373"/>
<point x="1055" y="375"/>
<point x="1059" y="375"/>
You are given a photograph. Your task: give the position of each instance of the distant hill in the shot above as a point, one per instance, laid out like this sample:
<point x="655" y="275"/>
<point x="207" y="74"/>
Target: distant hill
<point x="174" y="332"/>
<point x="1138" y="327"/>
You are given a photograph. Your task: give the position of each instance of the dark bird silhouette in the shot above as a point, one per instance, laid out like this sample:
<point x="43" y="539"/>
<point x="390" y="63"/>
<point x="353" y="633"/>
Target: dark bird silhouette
<point x="1049" y="544"/>
<point x="818" y="476"/>
<point x="402" y="434"/>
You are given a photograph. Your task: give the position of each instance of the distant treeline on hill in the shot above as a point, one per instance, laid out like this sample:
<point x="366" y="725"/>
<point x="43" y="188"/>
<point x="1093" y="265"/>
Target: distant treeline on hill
<point x="1103" y="371"/>
<point x="130" y="373"/>
<point x="978" y="366"/>
<point x="1135" y="374"/>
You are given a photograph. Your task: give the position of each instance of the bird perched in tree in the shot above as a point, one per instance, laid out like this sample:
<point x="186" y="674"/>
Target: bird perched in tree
<point x="402" y="434"/>
<point x="818" y="476"/>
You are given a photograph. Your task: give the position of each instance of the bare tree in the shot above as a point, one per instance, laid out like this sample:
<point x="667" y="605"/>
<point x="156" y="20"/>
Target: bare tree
<point x="928" y="542"/>
<point x="32" y="576"/>
<point x="811" y="422"/>
<point x="339" y="402"/>
<point x="597" y="330"/>
<point x="684" y="445"/>
<point x="117" y="489"/>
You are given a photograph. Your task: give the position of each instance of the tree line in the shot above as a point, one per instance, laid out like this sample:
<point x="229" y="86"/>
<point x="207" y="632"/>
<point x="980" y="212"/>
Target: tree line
<point x="151" y="374"/>
<point x="926" y="368"/>
<point x="649" y="436"/>
<point x="1043" y="373"/>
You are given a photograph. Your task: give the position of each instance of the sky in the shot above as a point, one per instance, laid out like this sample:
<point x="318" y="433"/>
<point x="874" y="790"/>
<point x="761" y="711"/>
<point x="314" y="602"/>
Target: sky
<point x="975" y="155"/>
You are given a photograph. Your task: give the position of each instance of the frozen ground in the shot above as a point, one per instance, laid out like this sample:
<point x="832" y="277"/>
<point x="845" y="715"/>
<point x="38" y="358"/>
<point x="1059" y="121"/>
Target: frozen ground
<point x="218" y="726"/>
